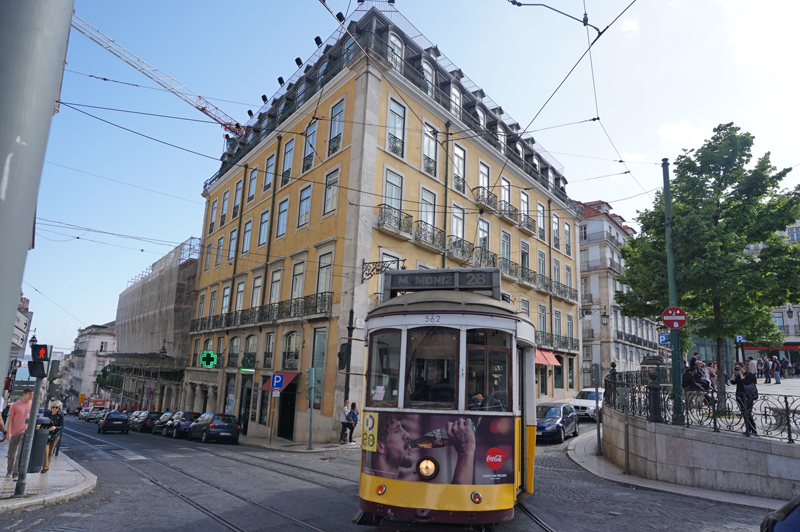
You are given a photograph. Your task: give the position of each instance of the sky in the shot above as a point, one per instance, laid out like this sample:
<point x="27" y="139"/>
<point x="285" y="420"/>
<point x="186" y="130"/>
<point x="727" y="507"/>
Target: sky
<point x="660" y="78"/>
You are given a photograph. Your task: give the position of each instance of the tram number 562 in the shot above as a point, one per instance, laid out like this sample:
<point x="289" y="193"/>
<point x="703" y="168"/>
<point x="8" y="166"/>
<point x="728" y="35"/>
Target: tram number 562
<point x="433" y="318"/>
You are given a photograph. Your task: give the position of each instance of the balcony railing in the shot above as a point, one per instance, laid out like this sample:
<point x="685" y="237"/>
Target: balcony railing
<point x="249" y="360"/>
<point x="267" y="363"/>
<point x="396" y="145"/>
<point x="527" y="224"/>
<point x="485" y="258"/>
<point x="587" y="297"/>
<point x="459" y="184"/>
<point x="222" y="219"/>
<point x="430" y="236"/>
<point x="784" y="329"/>
<point x="564" y="292"/>
<point x="556" y="242"/>
<point x="539" y="281"/>
<point x="394" y="219"/>
<point x="485" y="198"/>
<point x="334" y="144"/>
<point x="588" y="334"/>
<point x="429" y="165"/>
<point x="568" y="249"/>
<point x="291" y="360"/>
<point x="600" y="235"/>
<point x="459" y="248"/>
<point x="286" y="176"/>
<point x="308" y="161"/>
<point x="508" y="211"/>
<point x="565" y="342"/>
<point x="544" y="339"/>
<point x="507" y="267"/>
<point x="233" y="360"/>
<point x="600" y="264"/>
<point x="309" y="305"/>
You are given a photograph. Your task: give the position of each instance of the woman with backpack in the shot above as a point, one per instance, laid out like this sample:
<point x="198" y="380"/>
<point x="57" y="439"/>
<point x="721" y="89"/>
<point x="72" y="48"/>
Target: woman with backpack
<point x="352" y="418"/>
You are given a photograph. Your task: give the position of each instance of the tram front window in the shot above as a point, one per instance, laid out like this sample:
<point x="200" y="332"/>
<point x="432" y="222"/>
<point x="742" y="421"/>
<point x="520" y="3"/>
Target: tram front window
<point x="488" y="367"/>
<point x="384" y="368"/>
<point x="432" y="380"/>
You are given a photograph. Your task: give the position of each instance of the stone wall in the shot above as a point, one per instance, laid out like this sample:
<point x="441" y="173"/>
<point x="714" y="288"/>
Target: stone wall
<point x="721" y="461"/>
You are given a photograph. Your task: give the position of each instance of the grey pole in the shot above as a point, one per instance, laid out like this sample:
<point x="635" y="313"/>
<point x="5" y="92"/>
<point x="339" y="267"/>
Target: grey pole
<point x="33" y="47"/>
<point x="673" y="301"/>
<point x="598" y="418"/>
<point x="27" y="445"/>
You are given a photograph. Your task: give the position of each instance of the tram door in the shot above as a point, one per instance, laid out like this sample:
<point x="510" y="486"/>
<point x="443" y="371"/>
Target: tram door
<point x="286" y="412"/>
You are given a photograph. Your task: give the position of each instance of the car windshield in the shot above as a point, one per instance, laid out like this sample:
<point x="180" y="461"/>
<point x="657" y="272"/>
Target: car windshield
<point x="225" y="418"/>
<point x="116" y="415"/>
<point x="548" y="412"/>
<point x="153" y="415"/>
<point x="586" y="394"/>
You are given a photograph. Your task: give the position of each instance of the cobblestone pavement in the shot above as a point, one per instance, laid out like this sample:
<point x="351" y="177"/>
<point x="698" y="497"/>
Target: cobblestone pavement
<point x="569" y="498"/>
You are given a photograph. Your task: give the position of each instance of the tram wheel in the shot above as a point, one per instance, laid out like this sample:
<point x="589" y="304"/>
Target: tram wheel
<point x="561" y="436"/>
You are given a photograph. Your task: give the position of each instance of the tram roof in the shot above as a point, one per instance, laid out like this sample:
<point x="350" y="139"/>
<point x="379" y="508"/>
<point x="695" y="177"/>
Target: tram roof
<point x="446" y="301"/>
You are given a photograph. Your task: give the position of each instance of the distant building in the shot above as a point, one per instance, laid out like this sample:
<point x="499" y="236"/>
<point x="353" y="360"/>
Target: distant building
<point x="94" y="349"/>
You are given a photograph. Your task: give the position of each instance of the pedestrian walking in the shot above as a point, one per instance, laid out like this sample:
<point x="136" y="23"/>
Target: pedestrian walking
<point x="746" y="395"/>
<point x="760" y="367"/>
<point x="56" y="426"/>
<point x="776" y="370"/>
<point x="767" y="370"/>
<point x="796" y="369"/>
<point x="17" y="423"/>
<point x="752" y="367"/>
<point x="352" y="419"/>
<point x="785" y="368"/>
<point x="344" y="422"/>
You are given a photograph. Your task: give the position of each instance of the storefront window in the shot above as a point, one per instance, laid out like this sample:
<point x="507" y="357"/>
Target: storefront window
<point x="558" y="374"/>
<point x="432" y="368"/>
<point x="383" y="377"/>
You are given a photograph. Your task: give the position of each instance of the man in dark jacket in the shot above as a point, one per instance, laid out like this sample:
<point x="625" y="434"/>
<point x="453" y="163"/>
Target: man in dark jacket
<point x="746" y="395"/>
<point x="56" y="425"/>
<point x="689" y="381"/>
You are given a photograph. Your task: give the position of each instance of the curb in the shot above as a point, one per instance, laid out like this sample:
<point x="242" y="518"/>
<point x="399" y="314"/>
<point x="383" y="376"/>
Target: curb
<point x="83" y="488"/>
<point x="298" y="451"/>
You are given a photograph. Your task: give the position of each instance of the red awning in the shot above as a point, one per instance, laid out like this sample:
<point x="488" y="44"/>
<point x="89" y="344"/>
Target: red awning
<point x="543" y="356"/>
<point x="785" y="347"/>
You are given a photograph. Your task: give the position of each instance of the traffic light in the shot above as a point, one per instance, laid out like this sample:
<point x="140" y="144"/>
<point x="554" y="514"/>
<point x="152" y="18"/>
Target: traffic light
<point x="310" y="375"/>
<point x="54" y="379"/>
<point x="40" y="354"/>
<point x="344" y="356"/>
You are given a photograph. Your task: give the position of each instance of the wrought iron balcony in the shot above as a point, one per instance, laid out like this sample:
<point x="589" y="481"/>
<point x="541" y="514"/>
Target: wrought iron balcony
<point x="394" y="220"/>
<point x="600" y="235"/>
<point x="459" y="184"/>
<point x="291" y="308"/>
<point x="308" y="161"/>
<point x="286" y="176"/>
<point x="240" y="317"/>
<point x="429" y="165"/>
<point x="233" y="360"/>
<point x="544" y="339"/>
<point x="235" y="212"/>
<point x="509" y="268"/>
<point x="600" y="264"/>
<point x="564" y="292"/>
<point x="588" y="334"/>
<point x="267" y="363"/>
<point x="508" y="211"/>
<point x="396" y="145"/>
<point x="587" y="297"/>
<point x="485" y="198"/>
<point x="565" y="342"/>
<point x="527" y="224"/>
<point x="459" y="248"/>
<point x="430" y="236"/>
<point x="222" y="219"/>
<point x="249" y="360"/>
<point x="485" y="258"/>
<point x="291" y="360"/>
<point x="541" y="233"/>
<point x="319" y="303"/>
<point x="556" y="242"/>
<point x="334" y="144"/>
<point x="568" y="249"/>
<point x="211" y="227"/>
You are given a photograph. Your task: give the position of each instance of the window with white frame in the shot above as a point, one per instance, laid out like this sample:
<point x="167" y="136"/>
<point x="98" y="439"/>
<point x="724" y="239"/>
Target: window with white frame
<point x="225" y="197"/>
<point x="501" y="137"/>
<point x="557" y="322"/>
<point x="283" y="213"/>
<point x="427" y="207"/>
<point x="263" y="228"/>
<point x="459" y="165"/>
<point x="232" y="245"/>
<point x="212" y="303"/>
<point x="304" y="207"/>
<point x="337" y="125"/>
<point x="226" y="299"/>
<point x="248" y="226"/>
<point x="308" y="146"/>
<point x="568" y="275"/>
<point x="570" y="326"/>
<point x="483" y="175"/>
<point x="567" y="238"/>
<point x="524" y="255"/>
<point x="213" y="216"/>
<point x="525" y="306"/>
<point x="251" y="185"/>
<point x="523" y="202"/>
<point x="455" y="100"/>
<point x="239" y="302"/>
<point x="458" y="221"/>
<point x="397" y="127"/>
<point x="542" y="318"/>
<point x="298" y="271"/>
<point x="394" y="190"/>
<point x="200" y="304"/>
<point x="331" y="191"/>
<point x="427" y="71"/>
<point x="483" y="234"/>
<point x="269" y="171"/>
<point x="505" y="245"/>
<point x="207" y="262"/>
<point x="505" y="190"/>
<point x="255" y="294"/>
<point x="288" y="155"/>
<point x="275" y="287"/>
<point x="540" y="219"/>
<point x="324" y="273"/>
<point x="541" y="263"/>
<point x="556" y="270"/>
<point x="237" y="198"/>
<point x="556" y="231"/>
<point x="218" y="257"/>
<point x="429" y="150"/>
<point x="396" y="52"/>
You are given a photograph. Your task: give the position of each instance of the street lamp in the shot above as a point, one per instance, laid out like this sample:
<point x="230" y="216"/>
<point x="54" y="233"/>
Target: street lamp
<point x="790" y="311"/>
<point x="604" y="318"/>
<point x="163" y="350"/>
<point x="34" y="341"/>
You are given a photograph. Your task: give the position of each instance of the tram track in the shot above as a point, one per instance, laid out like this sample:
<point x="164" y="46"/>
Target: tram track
<point x="535" y="518"/>
<point x="210" y="513"/>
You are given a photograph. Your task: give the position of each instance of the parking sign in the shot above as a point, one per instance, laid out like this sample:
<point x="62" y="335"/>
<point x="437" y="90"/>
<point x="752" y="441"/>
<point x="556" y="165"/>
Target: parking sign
<point x="663" y="338"/>
<point x="277" y="380"/>
<point x="739" y="338"/>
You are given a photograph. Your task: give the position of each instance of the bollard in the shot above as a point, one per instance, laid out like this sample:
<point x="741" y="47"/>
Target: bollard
<point x="654" y="399"/>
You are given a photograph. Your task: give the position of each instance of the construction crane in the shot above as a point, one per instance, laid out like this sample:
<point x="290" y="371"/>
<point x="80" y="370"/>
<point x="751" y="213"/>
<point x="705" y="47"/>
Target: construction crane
<point x="171" y="84"/>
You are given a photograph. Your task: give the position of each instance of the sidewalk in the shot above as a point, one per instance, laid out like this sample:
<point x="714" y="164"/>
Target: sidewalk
<point x="64" y="481"/>
<point x="286" y="446"/>
<point x="582" y="451"/>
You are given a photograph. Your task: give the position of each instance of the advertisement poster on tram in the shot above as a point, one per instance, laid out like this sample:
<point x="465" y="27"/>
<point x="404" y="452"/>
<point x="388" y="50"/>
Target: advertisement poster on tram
<point x="465" y="449"/>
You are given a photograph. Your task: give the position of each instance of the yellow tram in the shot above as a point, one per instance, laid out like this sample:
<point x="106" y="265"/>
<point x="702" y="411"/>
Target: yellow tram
<point x="449" y="418"/>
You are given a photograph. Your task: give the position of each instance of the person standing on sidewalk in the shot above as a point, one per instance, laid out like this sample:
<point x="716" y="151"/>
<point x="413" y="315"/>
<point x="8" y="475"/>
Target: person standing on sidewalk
<point x="344" y="422"/>
<point x="17" y="423"/>
<point x="752" y="367"/>
<point x="56" y="426"/>
<point x="352" y="418"/>
<point x="776" y="370"/>
<point x="746" y="395"/>
<point x="767" y="370"/>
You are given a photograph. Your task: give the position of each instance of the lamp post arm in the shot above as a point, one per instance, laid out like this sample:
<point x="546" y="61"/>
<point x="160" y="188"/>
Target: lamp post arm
<point x="584" y="21"/>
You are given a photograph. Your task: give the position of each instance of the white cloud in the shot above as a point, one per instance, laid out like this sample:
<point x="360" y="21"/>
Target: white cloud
<point x="676" y="137"/>
<point x="630" y="25"/>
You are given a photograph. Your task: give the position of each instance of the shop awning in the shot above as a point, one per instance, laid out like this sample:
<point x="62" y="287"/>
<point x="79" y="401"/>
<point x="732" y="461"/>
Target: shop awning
<point x="785" y="347"/>
<point x="543" y="356"/>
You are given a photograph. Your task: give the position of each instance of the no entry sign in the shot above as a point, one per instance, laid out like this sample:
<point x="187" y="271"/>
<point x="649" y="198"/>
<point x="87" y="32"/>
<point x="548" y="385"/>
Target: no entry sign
<point x="674" y="317"/>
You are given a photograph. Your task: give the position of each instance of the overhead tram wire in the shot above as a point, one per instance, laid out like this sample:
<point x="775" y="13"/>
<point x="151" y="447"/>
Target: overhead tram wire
<point x="53" y="302"/>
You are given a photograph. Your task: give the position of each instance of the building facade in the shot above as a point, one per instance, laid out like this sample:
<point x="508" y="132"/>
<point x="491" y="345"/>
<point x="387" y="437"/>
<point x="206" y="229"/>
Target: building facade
<point x="625" y="341"/>
<point x="378" y="153"/>
<point x="94" y="349"/>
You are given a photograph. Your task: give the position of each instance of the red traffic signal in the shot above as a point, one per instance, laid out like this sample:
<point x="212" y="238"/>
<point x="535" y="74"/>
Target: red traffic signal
<point x="40" y="352"/>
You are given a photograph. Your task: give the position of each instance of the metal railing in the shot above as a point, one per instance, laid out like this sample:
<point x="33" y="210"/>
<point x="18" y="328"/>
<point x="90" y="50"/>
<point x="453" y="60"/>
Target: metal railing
<point x="291" y="360"/>
<point x="310" y="305"/>
<point x="527" y="224"/>
<point x="599" y="264"/>
<point x="508" y="267"/>
<point x="587" y="297"/>
<point x="784" y="329"/>
<point x="429" y="165"/>
<point x="544" y="339"/>
<point x="286" y="176"/>
<point x="564" y="292"/>
<point x="565" y="342"/>
<point x="539" y="281"/>
<point x="600" y="235"/>
<point x="485" y="258"/>
<point x="508" y="211"/>
<point x="233" y="360"/>
<point x="485" y="197"/>
<point x="267" y="362"/>
<point x="334" y="144"/>
<point x="460" y="248"/>
<point x="394" y="219"/>
<point x="459" y="184"/>
<point x="308" y="161"/>
<point x="249" y="360"/>
<point x="396" y="145"/>
<point x="430" y="235"/>
<point x="587" y="334"/>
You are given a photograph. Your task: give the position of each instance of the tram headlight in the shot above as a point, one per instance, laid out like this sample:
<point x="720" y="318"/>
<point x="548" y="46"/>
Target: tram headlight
<point x="427" y="468"/>
<point x="476" y="497"/>
<point x="380" y="490"/>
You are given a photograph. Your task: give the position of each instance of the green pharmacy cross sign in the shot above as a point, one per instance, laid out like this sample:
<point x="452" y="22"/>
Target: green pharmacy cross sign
<point x="208" y="359"/>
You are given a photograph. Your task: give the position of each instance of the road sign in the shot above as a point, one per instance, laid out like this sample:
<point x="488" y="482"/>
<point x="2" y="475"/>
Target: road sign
<point x="663" y="338"/>
<point x="22" y="322"/>
<point x="739" y="338"/>
<point x="276" y="393"/>
<point x="18" y="338"/>
<point x="674" y="317"/>
<point x="150" y="394"/>
<point x="277" y="380"/>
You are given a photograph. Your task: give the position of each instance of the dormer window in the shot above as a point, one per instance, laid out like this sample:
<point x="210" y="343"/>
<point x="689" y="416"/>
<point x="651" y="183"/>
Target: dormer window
<point x="455" y="101"/>
<point x="481" y="117"/>
<point x="427" y="71"/>
<point x="501" y="137"/>
<point x="301" y="88"/>
<point x="396" y="51"/>
<point x="322" y="68"/>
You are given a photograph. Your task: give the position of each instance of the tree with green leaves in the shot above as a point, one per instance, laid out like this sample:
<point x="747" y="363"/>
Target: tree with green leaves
<point x="720" y="204"/>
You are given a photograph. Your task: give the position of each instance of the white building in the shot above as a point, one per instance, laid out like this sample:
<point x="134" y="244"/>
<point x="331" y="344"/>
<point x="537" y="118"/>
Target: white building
<point x="94" y="349"/>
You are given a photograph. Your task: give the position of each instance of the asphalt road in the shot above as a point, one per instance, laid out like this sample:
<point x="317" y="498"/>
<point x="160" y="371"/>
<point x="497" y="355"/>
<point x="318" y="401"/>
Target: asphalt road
<point x="259" y="490"/>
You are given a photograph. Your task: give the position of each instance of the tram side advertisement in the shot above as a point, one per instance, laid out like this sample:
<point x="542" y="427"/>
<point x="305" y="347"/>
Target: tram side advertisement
<point x="476" y="450"/>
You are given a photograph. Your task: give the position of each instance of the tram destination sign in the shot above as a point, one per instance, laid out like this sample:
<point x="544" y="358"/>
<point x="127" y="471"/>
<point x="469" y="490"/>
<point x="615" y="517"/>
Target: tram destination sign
<point x="475" y="279"/>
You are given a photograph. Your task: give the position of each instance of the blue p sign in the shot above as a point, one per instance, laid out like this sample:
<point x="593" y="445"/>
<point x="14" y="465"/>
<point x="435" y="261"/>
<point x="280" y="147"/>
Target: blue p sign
<point x="663" y="338"/>
<point x="277" y="381"/>
<point x="739" y="338"/>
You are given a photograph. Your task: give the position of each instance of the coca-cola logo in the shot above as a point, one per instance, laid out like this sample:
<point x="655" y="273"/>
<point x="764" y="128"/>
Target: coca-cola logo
<point x="494" y="458"/>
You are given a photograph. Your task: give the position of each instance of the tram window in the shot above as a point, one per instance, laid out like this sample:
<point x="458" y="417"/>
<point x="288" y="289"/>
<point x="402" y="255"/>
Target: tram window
<point x="384" y="368"/>
<point x="488" y="369"/>
<point x="432" y="368"/>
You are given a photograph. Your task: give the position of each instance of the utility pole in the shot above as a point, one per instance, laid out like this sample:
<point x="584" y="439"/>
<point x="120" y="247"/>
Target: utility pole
<point x="33" y="47"/>
<point x="677" y="367"/>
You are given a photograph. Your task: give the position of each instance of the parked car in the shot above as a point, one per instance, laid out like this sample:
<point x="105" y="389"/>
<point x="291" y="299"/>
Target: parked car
<point x="555" y="421"/>
<point x="114" y="420"/>
<point x="211" y="426"/>
<point x="584" y="403"/>
<point x="160" y="423"/>
<point x="786" y="518"/>
<point x="145" y="420"/>
<point x="91" y="415"/>
<point x="178" y="425"/>
<point x="100" y="414"/>
<point x="83" y="412"/>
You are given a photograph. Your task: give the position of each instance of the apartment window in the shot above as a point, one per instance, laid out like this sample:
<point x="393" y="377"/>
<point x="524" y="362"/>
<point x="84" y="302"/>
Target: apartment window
<point x="501" y="137"/>
<point x="251" y="185"/>
<point x="455" y="101"/>
<point x="201" y="303"/>
<point x="239" y="303"/>
<point x="427" y="212"/>
<point x="213" y="216"/>
<point x="255" y="294"/>
<point x="427" y="71"/>
<point x="263" y="227"/>
<point x="324" y="273"/>
<point x="304" y="207"/>
<point x="337" y="122"/>
<point x="523" y="202"/>
<point x="557" y="322"/>
<point x="283" y="212"/>
<point x="567" y="238"/>
<point x="297" y="280"/>
<point x="483" y="234"/>
<point x="524" y="255"/>
<point x="269" y="172"/>
<point x="275" y="287"/>
<point x="397" y="127"/>
<point x="218" y="258"/>
<point x="568" y="275"/>
<point x="207" y="262"/>
<point x="226" y="299"/>
<point x="212" y="303"/>
<point x="505" y="245"/>
<point x="556" y="270"/>
<point x="232" y="245"/>
<point x="556" y="230"/>
<point x="481" y="118"/>
<point x="225" y="198"/>
<point x="542" y="318"/>
<point x="483" y="175"/>
<point x="301" y="88"/>
<point x="288" y="152"/>
<point x="584" y="233"/>
<point x="308" y="146"/>
<point x="458" y="222"/>
<point x="505" y="190"/>
<point x="540" y="219"/>
<point x="248" y="226"/>
<point x="459" y="165"/>
<point x="396" y="51"/>
<point x="394" y="190"/>
<point x="429" y="150"/>
<point x="220" y="346"/>
<point x="525" y="306"/>
<point x="237" y="198"/>
<point x="331" y="191"/>
<point x="570" y="326"/>
<point x="542" y="263"/>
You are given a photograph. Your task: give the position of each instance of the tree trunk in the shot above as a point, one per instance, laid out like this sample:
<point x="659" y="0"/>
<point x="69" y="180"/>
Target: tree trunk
<point x="720" y="347"/>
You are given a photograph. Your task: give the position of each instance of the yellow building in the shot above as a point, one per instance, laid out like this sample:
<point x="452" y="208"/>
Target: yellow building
<point x="378" y="153"/>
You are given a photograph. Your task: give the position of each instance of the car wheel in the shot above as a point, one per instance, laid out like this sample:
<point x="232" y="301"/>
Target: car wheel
<point x="174" y="433"/>
<point x="561" y="436"/>
<point x="189" y="435"/>
<point x="577" y="426"/>
<point x="204" y="437"/>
